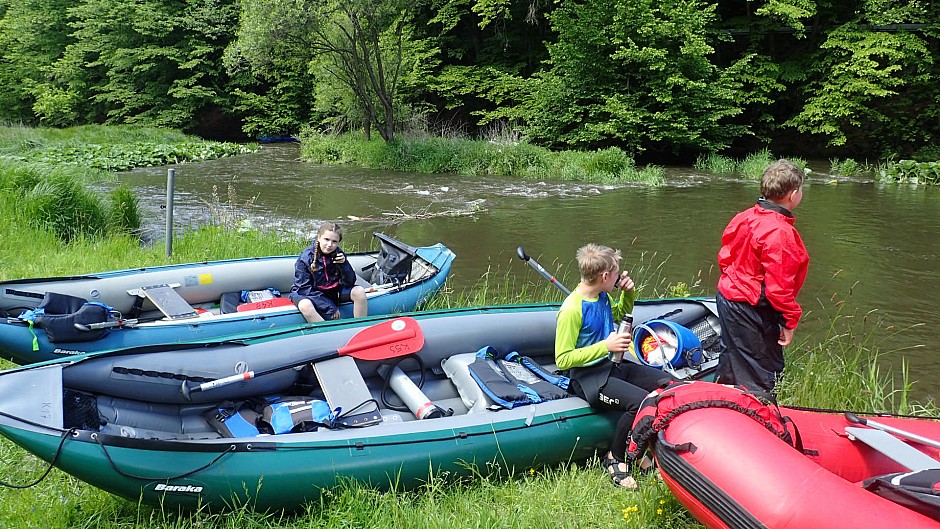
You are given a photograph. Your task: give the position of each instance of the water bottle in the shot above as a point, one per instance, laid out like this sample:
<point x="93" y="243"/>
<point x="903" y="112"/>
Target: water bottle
<point x="625" y="327"/>
<point x="626" y="324"/>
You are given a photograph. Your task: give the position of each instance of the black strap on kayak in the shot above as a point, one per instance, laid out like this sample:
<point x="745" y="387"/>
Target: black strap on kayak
<point x="107" y="456"/>
<point x="159" y="374"/>
<point x="65" y="435"/>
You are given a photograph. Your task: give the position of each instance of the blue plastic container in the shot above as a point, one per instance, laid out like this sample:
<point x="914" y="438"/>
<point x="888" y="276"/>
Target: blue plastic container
<point x="661" y="342"/>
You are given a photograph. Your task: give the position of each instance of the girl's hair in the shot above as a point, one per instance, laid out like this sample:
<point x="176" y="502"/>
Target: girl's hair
<point x="595" y="259"/>
<point x="325" y="227"/>
<point x="780" y="178"/>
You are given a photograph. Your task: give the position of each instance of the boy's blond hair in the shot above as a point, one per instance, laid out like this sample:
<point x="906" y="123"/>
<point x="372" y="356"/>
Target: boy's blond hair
<point x="780" y="178"/>
<point x="595" y="259"/>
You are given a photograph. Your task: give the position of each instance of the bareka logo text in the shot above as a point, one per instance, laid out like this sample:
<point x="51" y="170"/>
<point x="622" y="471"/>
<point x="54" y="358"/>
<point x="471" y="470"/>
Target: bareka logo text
<point x="177" y="488"/>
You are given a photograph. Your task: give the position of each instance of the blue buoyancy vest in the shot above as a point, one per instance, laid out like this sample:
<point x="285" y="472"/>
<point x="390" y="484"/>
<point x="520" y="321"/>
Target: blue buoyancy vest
<point x="513" y="380"/>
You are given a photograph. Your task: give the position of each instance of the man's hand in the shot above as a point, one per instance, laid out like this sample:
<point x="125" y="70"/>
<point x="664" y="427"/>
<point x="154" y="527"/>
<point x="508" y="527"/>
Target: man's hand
<point x="786" y="336"/>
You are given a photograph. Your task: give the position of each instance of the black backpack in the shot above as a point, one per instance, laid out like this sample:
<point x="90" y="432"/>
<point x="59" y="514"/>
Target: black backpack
<point x="394" y="262"/>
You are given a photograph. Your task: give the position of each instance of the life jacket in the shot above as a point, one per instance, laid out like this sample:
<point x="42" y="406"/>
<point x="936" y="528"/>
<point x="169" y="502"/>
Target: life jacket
<point x="513" y="380"/>
<point x="661" y="406"/>
<point x="233" y="419"/>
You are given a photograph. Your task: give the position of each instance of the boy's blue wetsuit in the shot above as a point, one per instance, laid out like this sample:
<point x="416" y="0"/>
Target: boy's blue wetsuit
<point x="583" y="326"/>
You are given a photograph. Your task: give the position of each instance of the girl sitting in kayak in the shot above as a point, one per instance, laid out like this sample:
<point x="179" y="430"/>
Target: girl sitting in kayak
<point x="323" y="278"/>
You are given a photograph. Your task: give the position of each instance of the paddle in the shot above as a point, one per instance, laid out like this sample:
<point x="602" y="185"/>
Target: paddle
<point x="538" y="268"/>
<point x="389" y="339"/>
<point x="852" y="418"/>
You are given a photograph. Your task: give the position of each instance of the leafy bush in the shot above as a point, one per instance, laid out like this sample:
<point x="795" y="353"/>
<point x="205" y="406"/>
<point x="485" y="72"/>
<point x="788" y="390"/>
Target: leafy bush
<point x="847" y="167"/>
<point x="61" y="204"/>
<point x="715" y="163"/>
<point x="911" y="171"/>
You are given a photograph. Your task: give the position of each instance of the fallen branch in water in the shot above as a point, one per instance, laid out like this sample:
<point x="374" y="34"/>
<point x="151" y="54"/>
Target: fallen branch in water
<point x="426" y="213"/>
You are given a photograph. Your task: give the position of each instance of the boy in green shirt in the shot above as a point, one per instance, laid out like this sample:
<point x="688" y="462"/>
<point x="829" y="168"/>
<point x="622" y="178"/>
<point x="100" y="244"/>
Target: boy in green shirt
<point x="589" y="348"/>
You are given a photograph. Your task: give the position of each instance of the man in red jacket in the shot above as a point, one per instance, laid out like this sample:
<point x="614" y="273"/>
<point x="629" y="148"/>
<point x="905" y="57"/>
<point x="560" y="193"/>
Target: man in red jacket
<point x="763" y="264"/>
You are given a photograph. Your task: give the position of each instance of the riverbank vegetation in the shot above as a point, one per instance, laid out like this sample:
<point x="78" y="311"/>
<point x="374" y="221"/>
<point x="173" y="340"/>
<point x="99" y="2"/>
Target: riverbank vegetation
<point x="751" y="166"/>
<point x="659" y="81"/>
<point x="841" y="373"/>
<point x="477" y="158"/>
<point x="45" y="173"/>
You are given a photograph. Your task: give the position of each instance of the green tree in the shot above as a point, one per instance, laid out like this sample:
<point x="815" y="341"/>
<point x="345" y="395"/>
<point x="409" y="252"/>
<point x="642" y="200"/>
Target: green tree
<point x="154" y="62"/>
<point x="635" y="74"/>
<point x="366" y="47"/>
<point x="33" y="35"/>
<point x="873" y="81"/>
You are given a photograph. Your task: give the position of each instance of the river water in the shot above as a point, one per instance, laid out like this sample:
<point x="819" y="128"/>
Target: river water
<point x="874" y="248"/>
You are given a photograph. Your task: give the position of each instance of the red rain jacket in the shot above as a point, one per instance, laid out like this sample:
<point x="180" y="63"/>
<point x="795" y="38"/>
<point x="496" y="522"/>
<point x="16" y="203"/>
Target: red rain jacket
<point x="759" y="247"/>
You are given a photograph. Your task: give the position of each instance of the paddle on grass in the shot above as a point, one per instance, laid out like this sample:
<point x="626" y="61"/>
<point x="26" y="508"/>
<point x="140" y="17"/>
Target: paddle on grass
<point x="852" y="418"/>
<point x="538" y="268"/>
<point x="389" y="339"/>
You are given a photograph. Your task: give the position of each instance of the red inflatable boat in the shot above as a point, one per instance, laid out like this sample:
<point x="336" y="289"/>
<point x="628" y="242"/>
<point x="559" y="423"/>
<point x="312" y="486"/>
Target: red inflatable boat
<point x="738" y="463"/>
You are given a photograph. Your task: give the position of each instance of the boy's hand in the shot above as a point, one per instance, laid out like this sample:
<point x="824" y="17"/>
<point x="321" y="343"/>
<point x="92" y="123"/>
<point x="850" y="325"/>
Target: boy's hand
<point x="618" y="343"/>
<point x="786" y="336"/>
<point x="625" y="282"/>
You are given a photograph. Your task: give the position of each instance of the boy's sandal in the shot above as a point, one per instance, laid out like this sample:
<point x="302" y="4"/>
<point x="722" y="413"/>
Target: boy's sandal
<point x="620" y="474"/>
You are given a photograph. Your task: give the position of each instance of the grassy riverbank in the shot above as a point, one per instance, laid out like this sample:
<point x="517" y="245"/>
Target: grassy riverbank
<point x="44" y="175"/>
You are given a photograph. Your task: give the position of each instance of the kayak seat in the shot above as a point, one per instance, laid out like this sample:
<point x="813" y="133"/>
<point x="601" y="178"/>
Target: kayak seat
<point x="169" y="302"/>
<point x="893" y="448"/>
<point x="915" y="490"/>
<point x="346" y="390"/>
<point x="63" y="317"/>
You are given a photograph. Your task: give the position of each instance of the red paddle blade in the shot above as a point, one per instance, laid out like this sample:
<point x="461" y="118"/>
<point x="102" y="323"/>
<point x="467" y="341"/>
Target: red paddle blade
<point x="390" y="339"/>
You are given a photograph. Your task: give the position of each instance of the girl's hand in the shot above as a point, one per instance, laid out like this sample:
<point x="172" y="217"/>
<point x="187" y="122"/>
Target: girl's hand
<point x="336" y="315"/>
<point x="340" y="258"/>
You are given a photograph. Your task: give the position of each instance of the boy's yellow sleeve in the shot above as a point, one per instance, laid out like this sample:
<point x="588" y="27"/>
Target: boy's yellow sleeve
<point x="623" y="305"/>
<point x="567" y="329"/>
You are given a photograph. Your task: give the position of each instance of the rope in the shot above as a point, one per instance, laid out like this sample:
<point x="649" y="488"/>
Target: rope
<point x="107" y="456"/>
<point x="660" y="424"/>
<point x="65" y="435"/>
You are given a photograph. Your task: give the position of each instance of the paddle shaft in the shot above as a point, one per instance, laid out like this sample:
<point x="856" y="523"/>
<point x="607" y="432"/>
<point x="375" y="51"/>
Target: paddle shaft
<point x="851" y="417"/>
<point x="538" y="268"/>
<point x="406" y="339"/>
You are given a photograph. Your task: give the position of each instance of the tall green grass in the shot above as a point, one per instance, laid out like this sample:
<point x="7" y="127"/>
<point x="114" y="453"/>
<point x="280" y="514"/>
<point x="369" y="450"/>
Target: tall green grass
<point x="475" y="158"/>
<point x="44" y="173"/>
<point x="751" y="166"/>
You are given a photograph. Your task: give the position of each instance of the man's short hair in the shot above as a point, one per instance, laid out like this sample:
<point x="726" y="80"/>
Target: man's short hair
<point x="780" y="178"/>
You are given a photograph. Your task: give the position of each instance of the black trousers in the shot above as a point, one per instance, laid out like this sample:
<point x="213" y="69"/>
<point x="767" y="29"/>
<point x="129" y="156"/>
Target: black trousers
<point x="619" y="387"/>
<point x="750" y="355"/>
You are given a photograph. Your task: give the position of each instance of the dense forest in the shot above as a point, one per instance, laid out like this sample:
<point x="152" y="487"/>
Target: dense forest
<point x="674" y="78"/>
